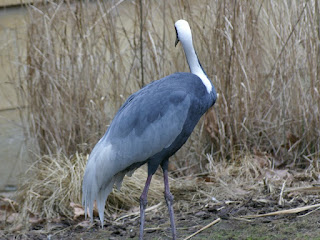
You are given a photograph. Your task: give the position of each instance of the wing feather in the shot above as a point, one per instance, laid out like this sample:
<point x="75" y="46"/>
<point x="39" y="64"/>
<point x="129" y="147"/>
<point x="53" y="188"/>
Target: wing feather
<point x="138" y="133"/>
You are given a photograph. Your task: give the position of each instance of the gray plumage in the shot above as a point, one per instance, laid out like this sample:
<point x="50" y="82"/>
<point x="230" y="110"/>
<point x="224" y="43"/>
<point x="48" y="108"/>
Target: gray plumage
<point x="150" y="127"/>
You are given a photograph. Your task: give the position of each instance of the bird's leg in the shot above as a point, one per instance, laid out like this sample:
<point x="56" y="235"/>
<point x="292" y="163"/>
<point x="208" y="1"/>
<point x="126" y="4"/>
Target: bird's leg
<point x="143" y="204"/>
<point x="169" y="199"/>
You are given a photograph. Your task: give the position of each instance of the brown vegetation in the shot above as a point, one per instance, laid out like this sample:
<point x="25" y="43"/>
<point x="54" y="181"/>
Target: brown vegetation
<point x="83" y="60"/>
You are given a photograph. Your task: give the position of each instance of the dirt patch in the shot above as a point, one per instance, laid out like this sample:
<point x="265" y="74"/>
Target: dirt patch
<point x="238" y="193"/>
<point x="233" y="225"/>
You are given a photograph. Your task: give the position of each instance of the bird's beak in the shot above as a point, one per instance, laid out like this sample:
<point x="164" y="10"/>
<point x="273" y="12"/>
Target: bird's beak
<point x="177" y="40"/>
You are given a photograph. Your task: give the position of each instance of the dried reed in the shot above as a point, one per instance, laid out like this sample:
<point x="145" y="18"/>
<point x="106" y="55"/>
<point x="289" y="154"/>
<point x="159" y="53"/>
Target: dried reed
<point x="84" y="59"/>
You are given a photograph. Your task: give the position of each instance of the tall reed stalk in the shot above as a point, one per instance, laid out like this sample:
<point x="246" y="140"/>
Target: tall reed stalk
<point x="84" y="59"/>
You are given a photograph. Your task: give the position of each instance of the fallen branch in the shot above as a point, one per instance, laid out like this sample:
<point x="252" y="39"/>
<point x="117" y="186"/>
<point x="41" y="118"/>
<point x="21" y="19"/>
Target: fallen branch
<point x="138" y="213"/>
<point x="205" y="227"/>
<point x="288" y="211"/>
<point x="304" y="189"/>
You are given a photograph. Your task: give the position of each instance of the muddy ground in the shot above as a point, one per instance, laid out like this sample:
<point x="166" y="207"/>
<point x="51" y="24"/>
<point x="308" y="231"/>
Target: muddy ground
<point x="302" y="225"/>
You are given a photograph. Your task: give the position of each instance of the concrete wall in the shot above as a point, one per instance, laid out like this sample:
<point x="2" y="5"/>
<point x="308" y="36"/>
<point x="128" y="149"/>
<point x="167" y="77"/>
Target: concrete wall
<point x="13" y="153"/>
<point x="8" y="3"/>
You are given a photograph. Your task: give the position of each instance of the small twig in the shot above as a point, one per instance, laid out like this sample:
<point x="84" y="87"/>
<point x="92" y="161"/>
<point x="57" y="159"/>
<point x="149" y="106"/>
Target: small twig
<point x="102" y="16"/>
<point x="141" y="44"/>
<point x="137" y="213"/>
<point x="60" y="231"/>
<point x="288" y="211"/>
<point x="304" y="189"/>
<point x="281" y="200"/>
<point x="288" y="38"/>
<point x="153" y="229"/>
<point x="205" y="227"/>
<point x="309" y="212"/>
<point x="241" y="219"/>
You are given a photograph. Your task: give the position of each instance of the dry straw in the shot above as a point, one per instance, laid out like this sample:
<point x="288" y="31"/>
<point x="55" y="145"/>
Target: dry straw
<point x="58" y="183"/>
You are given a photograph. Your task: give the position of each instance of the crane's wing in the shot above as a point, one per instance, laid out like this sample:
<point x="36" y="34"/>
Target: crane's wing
<point x="148" y="123"/>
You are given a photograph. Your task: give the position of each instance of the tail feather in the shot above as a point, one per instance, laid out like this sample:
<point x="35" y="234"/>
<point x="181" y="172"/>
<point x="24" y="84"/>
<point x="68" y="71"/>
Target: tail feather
<point x="103" y="170"/>
<point x="100" y="175"/>
<point x="104" y="193"/>
<point x="101" y="200"/>
<point x="89" y="192"/>
<point x="98" y="179"/>
<point x="89" y="195"/>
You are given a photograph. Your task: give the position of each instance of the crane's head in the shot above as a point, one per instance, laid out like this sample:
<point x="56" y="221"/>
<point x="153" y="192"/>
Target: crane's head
<point x="183" y="31"/>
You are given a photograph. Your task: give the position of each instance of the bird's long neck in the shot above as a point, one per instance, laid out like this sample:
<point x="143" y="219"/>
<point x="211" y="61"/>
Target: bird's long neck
<point x="194" y="64"/>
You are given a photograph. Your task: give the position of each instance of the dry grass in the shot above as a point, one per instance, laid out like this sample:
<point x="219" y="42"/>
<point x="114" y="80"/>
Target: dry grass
<point x="84" y="59"/>
<point x="51" y="184"/>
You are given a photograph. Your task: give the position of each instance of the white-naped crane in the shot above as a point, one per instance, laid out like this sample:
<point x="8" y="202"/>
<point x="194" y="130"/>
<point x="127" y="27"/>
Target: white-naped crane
<point x="150" y="127"/>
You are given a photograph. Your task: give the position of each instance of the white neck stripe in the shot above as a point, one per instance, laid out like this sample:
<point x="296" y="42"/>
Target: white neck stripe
<point x="185" y="37"/>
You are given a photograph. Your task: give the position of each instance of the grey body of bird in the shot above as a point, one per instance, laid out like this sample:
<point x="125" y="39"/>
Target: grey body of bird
<point x="149" y="128"/>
